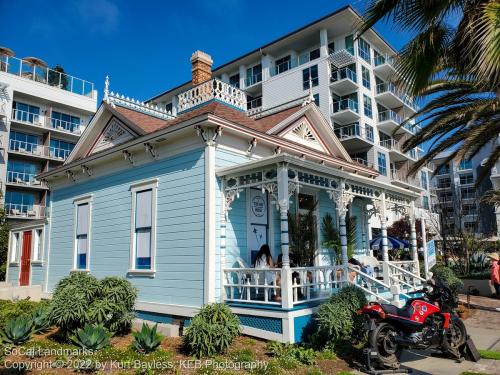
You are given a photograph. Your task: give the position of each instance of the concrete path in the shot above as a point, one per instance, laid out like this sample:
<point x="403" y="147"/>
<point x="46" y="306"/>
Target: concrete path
<point x="483" y="327"/>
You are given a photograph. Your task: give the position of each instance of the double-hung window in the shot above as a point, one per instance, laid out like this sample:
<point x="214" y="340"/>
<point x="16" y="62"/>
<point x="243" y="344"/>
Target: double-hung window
<point x="364" y="50"/>
<point x="365" y="74"/>
<point x="15" y="244"/>
<point x="312" y="74"/>
<point x="143" y="236"/>
<point x="37" y="245"/>
<point x="82" y="233"/>
<point x="369" y="132"/>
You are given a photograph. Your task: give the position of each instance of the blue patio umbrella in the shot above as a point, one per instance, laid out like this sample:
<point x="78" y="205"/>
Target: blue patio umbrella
<point x="392" y="243"/>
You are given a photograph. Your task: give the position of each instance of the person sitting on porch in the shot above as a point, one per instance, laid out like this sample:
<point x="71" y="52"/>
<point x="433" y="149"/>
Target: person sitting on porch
<point x="264" y="260"/>
<point x="355" y="264"/>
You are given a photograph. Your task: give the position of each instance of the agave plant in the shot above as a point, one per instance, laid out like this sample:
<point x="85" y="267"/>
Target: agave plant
<point x="147" y="340"/>
<point x="41" y="320"/>
<point x="91" y="337"/>
<point x="17" y="330"/>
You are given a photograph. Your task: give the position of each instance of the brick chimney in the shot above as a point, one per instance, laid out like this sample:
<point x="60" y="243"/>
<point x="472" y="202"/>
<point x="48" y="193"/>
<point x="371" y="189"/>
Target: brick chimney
<point x="201" y="69"/>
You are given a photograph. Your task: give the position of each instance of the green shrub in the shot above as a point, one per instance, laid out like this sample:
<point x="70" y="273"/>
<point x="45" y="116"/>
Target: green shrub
<point x="9" y="309"/>
<point x="446" y="274"/>
<point x="41" y="319"/>
<point x="92" y="337"/>
<point x="147" y="340"/>
<point x="17" y="330"/>
<point x="337" y="321"/>
<point x="108" y="302"/>
<point x="288" y="353"/>
<point x="211" y="331"/>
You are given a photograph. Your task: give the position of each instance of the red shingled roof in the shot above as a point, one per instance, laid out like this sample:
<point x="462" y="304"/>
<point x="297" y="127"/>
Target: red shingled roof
<point x="268" y="122"/>
<point x="145" y="122"/>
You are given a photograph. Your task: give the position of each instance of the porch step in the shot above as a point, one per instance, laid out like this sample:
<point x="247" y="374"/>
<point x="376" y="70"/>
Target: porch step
<point x="14" y="293"/>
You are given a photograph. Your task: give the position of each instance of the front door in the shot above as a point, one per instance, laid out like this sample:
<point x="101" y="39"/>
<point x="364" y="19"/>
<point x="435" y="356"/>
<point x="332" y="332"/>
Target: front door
<point x="24" y="278"/>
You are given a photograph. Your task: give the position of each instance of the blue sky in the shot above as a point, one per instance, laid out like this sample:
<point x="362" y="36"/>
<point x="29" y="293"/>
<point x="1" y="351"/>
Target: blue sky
<point x="145" y="46"/>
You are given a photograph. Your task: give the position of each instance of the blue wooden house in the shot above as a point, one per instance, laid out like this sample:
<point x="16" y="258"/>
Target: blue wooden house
<point x="179" y="205"/>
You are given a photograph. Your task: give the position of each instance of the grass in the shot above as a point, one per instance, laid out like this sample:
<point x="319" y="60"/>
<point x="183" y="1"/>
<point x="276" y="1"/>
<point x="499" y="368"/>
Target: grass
<point x="490" y="354"/>
<point x="472" y="373"/>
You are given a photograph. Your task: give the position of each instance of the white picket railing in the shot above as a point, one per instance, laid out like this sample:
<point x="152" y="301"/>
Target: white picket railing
<point x="368" y="284"/>
<point x="253" y="285"/>
<point x="316" y="283"/>
<point x="404" y="278"/>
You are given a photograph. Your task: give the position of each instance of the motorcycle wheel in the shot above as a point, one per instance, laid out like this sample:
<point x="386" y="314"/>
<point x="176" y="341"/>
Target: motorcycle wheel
<point x="381" y="340"/>
<point x="456" y="335"/>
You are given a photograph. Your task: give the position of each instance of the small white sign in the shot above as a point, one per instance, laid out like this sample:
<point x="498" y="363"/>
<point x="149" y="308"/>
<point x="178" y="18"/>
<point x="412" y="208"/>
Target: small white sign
<point x="431" y="254"/>
<point x="258" y="207"/>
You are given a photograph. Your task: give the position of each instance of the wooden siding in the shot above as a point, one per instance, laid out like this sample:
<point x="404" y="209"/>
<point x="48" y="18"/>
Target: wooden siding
<point x="180" y="228"/>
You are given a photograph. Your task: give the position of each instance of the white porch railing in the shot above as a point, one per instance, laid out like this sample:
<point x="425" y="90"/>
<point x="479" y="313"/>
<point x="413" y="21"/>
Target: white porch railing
<point x="210" y="90"/>
<point x="370" y="285"/>
<point x="400" y="276"/>
<point x="316" y="283"/>
<point x="253" y="285"/>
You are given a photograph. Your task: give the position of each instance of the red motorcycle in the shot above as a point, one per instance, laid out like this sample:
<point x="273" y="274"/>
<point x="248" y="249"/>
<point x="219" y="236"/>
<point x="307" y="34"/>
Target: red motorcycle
<point x="425" y="322"/>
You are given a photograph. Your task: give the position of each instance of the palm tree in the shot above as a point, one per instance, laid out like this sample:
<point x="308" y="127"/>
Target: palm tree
<point x="459" y="65"/>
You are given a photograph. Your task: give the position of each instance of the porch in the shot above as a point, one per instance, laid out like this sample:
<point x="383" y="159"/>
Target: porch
<point x="278" y="185"/>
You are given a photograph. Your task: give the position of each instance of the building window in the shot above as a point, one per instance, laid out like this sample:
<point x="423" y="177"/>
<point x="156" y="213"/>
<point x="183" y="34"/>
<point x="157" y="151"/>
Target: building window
<point x="310" y="73"/>
<point x="23" y="142"/>
<point x="316" y="99"/>
<point x="443" y="169"/>
<point x="234" y="80"/>
<point x="467" y="193"/>
<point x="331" y="48"/>
<point x="168" y="107"/>
<point x="349" y="44"/>
<point x="367" y="104"/>
<point x="66" y="122"/>
<point x="466" y="179"/>
<point x="254" y="102"/>
<point x="26" y="113"/>
<point x="37" y="245"/>
<point x="143" y="236"/>
<point x="425" y="202"/>
<point x="465" y="164"/>
<point x="19" y="202"/>
<point x="15" y="242"/>
<point x="369" y="132"/>
<point x="283" y="64"/>
<point x="60" y="149"/>
<point x="423" y="179"/>
<point x="82" y="233"/>
<point x="364" y="50"/>
<point x="21" y="172"/>
<point x="254" y="75"/>
<point x="365" y="74"/>
<point x="382" y="164"/>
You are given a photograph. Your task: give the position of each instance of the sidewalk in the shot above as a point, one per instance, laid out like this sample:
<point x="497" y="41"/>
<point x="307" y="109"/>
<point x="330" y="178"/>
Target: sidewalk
<point x="482" y="303"/>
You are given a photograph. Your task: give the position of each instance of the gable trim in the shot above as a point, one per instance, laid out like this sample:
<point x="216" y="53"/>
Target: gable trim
<point x="113" y="121"/>
<point x="312" y="140"/>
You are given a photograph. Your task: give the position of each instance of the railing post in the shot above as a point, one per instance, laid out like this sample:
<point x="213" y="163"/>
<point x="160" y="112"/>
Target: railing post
<point x="286" y="288"/>
<point x="413" y="234"/>
<point x="396" y="290"/>
<point x="386" y="272"/>
<point x="383" y="228"/>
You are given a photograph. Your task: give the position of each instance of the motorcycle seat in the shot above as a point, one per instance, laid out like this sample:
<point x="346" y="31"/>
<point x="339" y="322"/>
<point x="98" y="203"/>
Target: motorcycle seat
<point x="404" y="312"/>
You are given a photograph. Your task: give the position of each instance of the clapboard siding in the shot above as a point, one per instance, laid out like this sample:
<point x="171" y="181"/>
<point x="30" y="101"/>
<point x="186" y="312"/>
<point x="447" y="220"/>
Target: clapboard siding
<point x="180" y="228"/>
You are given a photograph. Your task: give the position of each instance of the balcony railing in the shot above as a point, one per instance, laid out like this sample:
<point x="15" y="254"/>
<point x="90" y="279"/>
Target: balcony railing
<point x="383" y="59"/>
<point x="38" y="150"/>
<point x="28" y="70"/>
<point x="389" y="116"/>
<point x="253" y="79"/>
<point x="284" y="67"/>
<point x="213" y="89"/>
<point x="24" y="179"/>
<point x="402" y="177"/>
<point x="66" y="126"/>
<point x="389" y="87"/>
<point x="32" y="211"/>
<point x="343" y="73"/>
<point x="364" y="162"/>
<point x="345" y="104"/>
<point x="353" y="130"/>
<point x="26" y="117"/>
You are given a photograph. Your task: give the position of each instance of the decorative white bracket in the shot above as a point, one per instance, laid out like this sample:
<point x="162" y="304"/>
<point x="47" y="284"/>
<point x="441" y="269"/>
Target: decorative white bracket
<point x="230" y="195"/>
<point x="342" y="199"/>
<point x="127" y="155"/>
<point x="205" y="136"/>
<point x="151" y="150"/>
<point x="87" y="170"/>
<point x="70" y="175"/>
<point x="251" y="145"/>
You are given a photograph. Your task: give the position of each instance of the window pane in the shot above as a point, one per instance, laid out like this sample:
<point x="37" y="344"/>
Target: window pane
<point x="81" y="251"/>
<point x="143" y="248"/>
<point x="143" y="208"/>
<point x="82" y="226"/>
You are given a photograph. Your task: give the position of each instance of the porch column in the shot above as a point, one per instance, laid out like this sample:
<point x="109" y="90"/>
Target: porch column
<point x="383" y="228"/>
<point x="342" y="199"/>
<point x="223" y="221"/>
<point x="413" y="232"/>
<point x="286" y="274"/>
<point x="363" y="230"/>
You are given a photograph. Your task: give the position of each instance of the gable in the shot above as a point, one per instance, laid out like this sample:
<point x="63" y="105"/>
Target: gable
<point x="303" y="133"/>
<point x="115" y="133"/>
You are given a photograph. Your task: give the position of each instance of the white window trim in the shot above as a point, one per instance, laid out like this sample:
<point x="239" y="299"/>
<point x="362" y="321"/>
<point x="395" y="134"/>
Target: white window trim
<point x="143" y="185"/>
<point x="42" y="245"/>
<point x="77" y="201"/>
<point x="17" y="251"/>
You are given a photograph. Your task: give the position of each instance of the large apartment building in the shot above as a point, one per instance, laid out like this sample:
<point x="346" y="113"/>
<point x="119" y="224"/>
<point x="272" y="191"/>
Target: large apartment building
<point x="458" y="199"/>
<point x="351" y="80"/>
<point x="43" y="112"/>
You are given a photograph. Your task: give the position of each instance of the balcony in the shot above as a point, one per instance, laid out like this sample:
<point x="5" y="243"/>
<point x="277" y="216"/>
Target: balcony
<point x="284" y="67"/>
<point x="28" y="70"/>
<point x="37" y="151"/>
<point x="401" y="179"/>
<point x="395" y="150"/>
<point x="25" y="211"/>
<point x="364" y="162"/>
<point x="212" y="90"/>
<point x="26" y="117"/>
<point x="24" y="179"/>
<point x="343" y="81"/>
<point x="354" y="136"/>
<point x="389" y="96"/>
<point x="253" y="80"/>
<point x="65" y="126"/>
<point x="389" y="121"/>
<point x="345" y="111"/>
<point x="34" y="119"/>
<point x="383" y="66"/>
<point x="254" y="106"/>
